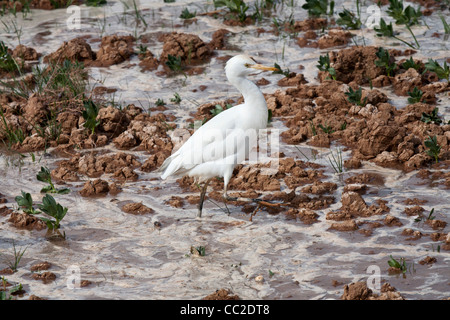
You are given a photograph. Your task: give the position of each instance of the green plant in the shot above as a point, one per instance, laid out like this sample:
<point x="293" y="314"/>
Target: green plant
<point x="160" y="102"/>
<point x="337" y="162"/>
<point x="355" y="97"/>
<point x="410" y="63"/>
<point x="326" y="129"/>
<point x="25" y="202"/>
<point x="50" y="207"/>
<point x="398" y="265"/>
<point x="13" y="265"/>
<point x="237" y="8"/>
<point x="285" y="73"/>
<point x="317" y="8"/>
<point x="176" y="98"/>
<point x="428" y="218"/>
<point x="45" y="176"/>
<point x="408" y="15"/>
<point x="174" y="63"/>
<point x="95" y="3"/>
<point x="384" y="60"/>
<point x="198" y="251"/>
<point x="441" y="72"/>
<point x="415" y="95"/>
<point x="7" y="294"/>
<point x="186" y="14"/>
<point x="384" y="29"/>
<point x="349" y="20"/>
<point x="7" y="62"/>
<point x="431" y="117"/>
<point x="433" y="148"/>
<point x="138" y="15"/>
<point x="12" y="136"/>
<point x="445" y="24"/>
<point x="218" y="109"/>
<point x="325" y="65"/>
<point x="90" y="115"/>
<point x="387" y="30"/>
<point x="142" y="49"/>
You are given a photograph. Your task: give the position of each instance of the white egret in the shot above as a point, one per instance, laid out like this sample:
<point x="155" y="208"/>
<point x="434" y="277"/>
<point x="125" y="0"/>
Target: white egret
<point x="220" y="144"/>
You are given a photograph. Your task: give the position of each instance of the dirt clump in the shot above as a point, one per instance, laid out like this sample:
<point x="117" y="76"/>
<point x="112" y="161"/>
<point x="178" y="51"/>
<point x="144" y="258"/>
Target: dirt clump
<point x="148" y="62"/>
<point x="73" y="50"/>
<point x="218" y="41"/>
<point x="148" y="133"/>
<point x="356" y="64"/>
<point x="46" y="277"/>
<point x="25" y="53"/>
<point x="125" y="174"/>
<point x="334" y="38"/>
<point x="428" y="260"/>
<point x="221" y="294"/>
<point x="189" y="47"/>
<point x="40" y="266"/>
<point x="97" y="187"/>
<point x="94" y="165"/>
<point x="26" y="221"/>
<point x="114" y="49"/>
<point x="137" y="208"/>
<point x="175" y="201"/>
<point x="360" y="291"/>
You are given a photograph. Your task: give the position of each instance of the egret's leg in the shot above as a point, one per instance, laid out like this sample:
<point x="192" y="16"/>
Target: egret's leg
<point x="225" y="198"/>
<point x="202" y="198"/>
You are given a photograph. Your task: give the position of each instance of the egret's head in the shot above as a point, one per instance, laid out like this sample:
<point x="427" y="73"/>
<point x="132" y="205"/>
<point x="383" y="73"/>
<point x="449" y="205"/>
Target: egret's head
<point x="243" y="65"/>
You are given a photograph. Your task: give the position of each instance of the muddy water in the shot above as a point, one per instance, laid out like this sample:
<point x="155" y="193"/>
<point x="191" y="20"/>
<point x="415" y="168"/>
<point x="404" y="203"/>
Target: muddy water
<point x="128" y="257"/>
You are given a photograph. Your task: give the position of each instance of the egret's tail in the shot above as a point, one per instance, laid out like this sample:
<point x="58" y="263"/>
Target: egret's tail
<point x="170" y="166"/>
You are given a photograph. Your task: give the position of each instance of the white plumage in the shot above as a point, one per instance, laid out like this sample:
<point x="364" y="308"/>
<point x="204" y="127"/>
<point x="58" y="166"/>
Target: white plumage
<point x="220" y="144"/>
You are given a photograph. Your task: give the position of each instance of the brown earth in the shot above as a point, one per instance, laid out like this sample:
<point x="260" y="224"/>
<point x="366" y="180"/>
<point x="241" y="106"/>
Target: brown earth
<point x="360" y="291"/>
<point x="137" y="208"/>
<point x="222" y="294"/>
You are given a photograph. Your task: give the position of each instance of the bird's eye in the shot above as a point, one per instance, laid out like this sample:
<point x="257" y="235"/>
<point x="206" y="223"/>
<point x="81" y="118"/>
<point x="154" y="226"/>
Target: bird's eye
<point x="247" y="65"/>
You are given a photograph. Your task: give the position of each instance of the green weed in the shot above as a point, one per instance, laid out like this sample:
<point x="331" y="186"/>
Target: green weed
<point x="442" y="72"/>
<point x="326" y="128"/>
<point x="355" y="97"/>
<point x="25" y="202"/>
<point x="50" y="207"/>
<point x="186" y="14"/>
<point x="317" y="8"/>
<point x="95" y="3"/>
<point x="176" y="98"/>
<point x="401" y="265"/>
<point x="410" y="63"/>
<point x="337" y="162"/>
<point x="237" y="8"/>
<point x="384" y="60"/>
<point x="45" y="176"/>
<point x="415" y="95"/>
<point x="285" y="73"/>
<point x="431" y="117"/>
<point x="90" y="115"/>
<point x="325" y="65"/>
<point x="433" y="148"/>
<point x="18" y="254"/>
<point x="349" y="20"/>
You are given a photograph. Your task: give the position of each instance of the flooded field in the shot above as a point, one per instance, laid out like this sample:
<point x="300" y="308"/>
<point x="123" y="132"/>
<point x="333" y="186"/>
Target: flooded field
<point x="361" y="202"/>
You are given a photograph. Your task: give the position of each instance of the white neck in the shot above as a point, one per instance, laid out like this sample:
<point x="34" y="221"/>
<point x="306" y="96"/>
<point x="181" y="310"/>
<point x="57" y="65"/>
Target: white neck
<point x="250" y="91"/>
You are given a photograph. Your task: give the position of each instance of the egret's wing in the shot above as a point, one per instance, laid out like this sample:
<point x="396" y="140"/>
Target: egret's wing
<point x="217" y="139"/>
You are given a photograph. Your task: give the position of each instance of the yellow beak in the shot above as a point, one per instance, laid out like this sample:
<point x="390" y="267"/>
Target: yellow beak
<point x="261" y="67"/>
